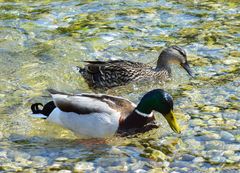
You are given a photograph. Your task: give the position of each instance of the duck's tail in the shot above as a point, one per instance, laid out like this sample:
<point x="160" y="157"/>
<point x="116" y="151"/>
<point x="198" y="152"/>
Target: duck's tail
<point x="80" y="70"/>
<point x="44" y="112"/>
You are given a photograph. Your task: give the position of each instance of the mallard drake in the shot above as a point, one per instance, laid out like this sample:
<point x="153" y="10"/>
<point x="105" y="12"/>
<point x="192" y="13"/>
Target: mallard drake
<point x="100" y="116"/>
<point x="100" y="74"/>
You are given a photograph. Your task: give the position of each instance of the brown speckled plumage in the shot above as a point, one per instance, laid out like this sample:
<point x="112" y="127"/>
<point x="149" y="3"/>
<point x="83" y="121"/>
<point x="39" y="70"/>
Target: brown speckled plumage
<point x="99" y="74"/>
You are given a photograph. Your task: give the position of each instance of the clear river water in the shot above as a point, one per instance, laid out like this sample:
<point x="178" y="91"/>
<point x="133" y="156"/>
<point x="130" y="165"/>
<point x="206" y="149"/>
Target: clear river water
<point x="42" y="41"/>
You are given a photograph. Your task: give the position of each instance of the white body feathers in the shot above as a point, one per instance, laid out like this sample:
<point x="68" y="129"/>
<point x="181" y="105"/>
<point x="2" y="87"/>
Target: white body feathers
<point x="94" y="125"/>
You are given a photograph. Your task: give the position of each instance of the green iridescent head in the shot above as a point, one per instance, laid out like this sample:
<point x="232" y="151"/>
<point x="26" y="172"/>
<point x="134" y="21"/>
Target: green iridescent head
<point x="162" y="102"/>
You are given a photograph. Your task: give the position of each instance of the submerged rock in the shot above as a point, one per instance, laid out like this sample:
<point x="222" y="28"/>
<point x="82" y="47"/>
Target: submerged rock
<point x="194" y="145"/>
<point x="198" y="160"/>
<point x="211" y="109"/>
<point x="210" y="136"/>
<point x="83" y="166"/>
<point x="234" y="158"/>
<point x="217" y="159"/>
<point x="226" y="136"/>
<point x="187" y="157"/>
<point x="215" y="145"/>
<point x="154" y="154"/>
<point x="10" y="167"/>
<point x="55" y="166"/>
<point x="64" y="171"/>
<point x="228" y="153"/>
<point x="233" y="147"/>
<point x="61" y="159"/>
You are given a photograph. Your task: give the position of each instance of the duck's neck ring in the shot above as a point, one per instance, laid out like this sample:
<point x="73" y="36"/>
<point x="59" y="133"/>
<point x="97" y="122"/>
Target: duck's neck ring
<point x="143" y="114"/>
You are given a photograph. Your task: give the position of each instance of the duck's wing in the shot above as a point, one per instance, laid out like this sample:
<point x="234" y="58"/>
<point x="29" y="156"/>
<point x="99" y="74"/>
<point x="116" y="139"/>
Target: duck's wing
<point x="91" y="103"/>
<point x="119" y="104"/>
<point x="80" y="104"/>
<point x="115" y="65"/>
<point x="111" y="73"/>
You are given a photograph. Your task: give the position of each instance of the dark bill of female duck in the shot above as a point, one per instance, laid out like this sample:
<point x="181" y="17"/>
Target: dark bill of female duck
<point x="187" y="68"/>
<point x="100" y="116"/>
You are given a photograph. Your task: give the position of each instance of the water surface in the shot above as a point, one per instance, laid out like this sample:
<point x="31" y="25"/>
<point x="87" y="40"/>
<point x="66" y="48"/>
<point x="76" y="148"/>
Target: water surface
<point x="41" y="42"/>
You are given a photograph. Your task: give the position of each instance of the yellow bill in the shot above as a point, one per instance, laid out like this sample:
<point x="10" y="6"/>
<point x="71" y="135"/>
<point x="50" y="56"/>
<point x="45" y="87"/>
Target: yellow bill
<point x="172" y="122"/>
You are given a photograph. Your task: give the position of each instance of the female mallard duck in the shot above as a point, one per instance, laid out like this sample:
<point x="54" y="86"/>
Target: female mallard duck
<point x="99" y="116"/>
<point x="99" y="74"/>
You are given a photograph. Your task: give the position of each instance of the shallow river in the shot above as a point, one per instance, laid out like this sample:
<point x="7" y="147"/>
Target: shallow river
<point x="41" y="42"/>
